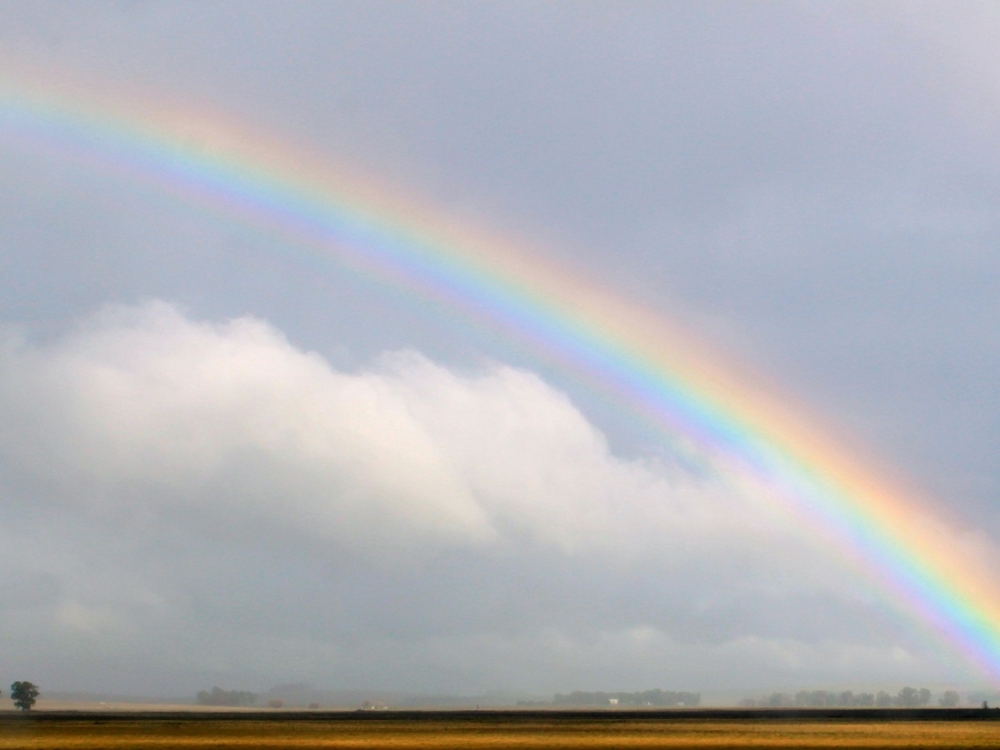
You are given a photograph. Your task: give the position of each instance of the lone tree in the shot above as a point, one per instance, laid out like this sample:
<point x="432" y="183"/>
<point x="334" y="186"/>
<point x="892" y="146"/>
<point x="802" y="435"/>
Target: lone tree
<point x="24" y="694"/>
<point x="950" y="699"/>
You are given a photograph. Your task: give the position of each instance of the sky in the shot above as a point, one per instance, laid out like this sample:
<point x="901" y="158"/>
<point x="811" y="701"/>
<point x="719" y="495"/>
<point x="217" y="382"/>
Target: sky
<point x="226" y="459"/>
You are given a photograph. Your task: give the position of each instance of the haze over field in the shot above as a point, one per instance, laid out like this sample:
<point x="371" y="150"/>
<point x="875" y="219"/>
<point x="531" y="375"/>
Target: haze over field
<point x="226" y="459"/>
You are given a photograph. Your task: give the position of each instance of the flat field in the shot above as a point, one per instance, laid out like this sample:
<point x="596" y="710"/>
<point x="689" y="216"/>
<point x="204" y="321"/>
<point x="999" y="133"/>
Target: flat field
<point x="439" y="730"/>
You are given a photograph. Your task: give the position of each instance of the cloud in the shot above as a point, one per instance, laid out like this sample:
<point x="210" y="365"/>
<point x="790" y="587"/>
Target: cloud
<point x="143" y="408"/>
<point x="206" y="498"/>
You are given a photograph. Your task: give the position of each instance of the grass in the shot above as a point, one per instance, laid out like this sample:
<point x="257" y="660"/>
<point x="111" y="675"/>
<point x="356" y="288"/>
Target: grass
<point x="523" y="734"/>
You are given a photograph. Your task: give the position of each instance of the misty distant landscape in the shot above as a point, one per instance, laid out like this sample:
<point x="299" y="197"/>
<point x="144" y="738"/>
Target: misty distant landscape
<point x="303" y="696"/>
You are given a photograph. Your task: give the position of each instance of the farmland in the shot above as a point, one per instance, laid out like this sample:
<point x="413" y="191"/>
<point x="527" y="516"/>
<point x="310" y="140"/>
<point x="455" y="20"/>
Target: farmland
<point x="498" y="729"/>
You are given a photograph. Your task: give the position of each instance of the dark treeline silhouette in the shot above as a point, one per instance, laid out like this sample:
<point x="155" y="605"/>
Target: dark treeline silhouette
<point x="219" y="697"/>
<point x="906" y="698"/>
<point x="643" y="698"/>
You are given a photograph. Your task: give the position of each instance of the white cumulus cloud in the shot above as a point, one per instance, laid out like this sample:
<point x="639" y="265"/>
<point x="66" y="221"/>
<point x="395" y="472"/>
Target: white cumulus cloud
<point x="142" y="407"/>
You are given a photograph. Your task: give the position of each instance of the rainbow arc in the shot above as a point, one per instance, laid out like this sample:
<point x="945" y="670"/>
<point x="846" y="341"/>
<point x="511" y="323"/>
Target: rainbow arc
<point x="637" y="359"/>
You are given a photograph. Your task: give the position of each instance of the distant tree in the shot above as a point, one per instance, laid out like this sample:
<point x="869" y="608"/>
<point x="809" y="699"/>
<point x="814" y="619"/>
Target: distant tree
<point x="912" y="698"/>
<point x="24" y="694"/>
<point x="816" y="699"/>
<point x="950" y="699"/>
<point x="883" y="699"/>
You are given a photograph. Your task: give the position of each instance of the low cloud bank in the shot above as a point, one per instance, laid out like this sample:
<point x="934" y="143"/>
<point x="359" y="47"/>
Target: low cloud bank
<point x="186" y="500"/>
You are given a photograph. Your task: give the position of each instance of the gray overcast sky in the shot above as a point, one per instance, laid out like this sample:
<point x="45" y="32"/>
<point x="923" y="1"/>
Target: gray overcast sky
<point x="223" y="462"/>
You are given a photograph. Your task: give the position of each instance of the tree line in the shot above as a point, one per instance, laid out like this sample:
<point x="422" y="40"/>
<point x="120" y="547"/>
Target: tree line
<point x="908" y="697"/>
<point x="643" y="698"/>
<point x="219" y="697"/>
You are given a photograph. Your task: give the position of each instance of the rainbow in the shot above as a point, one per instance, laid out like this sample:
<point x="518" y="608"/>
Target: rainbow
<point x="758" y="443"/>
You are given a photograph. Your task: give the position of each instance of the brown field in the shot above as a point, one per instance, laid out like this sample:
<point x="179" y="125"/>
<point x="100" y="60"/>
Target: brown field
<point x="540" y="730"/>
